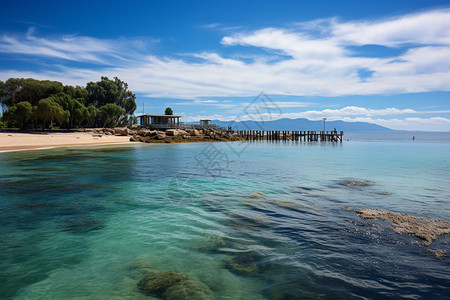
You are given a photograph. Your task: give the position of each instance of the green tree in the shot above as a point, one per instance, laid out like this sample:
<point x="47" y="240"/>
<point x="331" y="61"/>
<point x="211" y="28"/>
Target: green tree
<point x="48" y="110"/>
<point x="31" y="90"/>
<point x="11" y="87"/>
<point x="168" y="111"/>
<point x="91" y="116"/>
<point x="2" y="97"/>
<point x="78" y="92"/>
<point x="108" y="91"/>
<point x="109" y="115"/>
<point x="21" y="113"/>
<point x="75" y="107"/>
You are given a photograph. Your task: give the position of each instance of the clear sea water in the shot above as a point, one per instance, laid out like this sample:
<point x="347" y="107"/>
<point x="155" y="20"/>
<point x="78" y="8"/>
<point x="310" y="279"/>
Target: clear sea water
<point x="81" y="223"/>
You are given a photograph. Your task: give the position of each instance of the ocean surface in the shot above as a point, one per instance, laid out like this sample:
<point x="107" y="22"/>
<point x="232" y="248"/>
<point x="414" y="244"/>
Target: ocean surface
<point x="253" y="220"/>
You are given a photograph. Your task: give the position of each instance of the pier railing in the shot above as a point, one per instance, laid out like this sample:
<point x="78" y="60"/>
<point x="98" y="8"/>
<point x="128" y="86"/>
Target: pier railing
<point x="284" y="135"/>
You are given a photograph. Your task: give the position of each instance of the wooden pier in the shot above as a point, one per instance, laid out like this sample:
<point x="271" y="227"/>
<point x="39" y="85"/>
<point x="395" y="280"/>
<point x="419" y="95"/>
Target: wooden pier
<point x="277" y="135"/>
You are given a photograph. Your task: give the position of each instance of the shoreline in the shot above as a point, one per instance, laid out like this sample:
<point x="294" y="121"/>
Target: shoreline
<point x="18" y="141"/>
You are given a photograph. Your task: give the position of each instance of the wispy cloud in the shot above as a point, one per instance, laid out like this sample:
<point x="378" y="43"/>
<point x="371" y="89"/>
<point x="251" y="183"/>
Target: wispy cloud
<point x="73" y="47"/>
<point x="315" y="59"/>
<point x="314" y="65"/>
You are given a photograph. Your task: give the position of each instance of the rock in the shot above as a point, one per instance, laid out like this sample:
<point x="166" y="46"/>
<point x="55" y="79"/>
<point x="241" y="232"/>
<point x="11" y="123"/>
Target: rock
<point x="384" y="193"/>
<point x="146" y="139"/>
<point x="171" y="132"/>
<point x="256" y="195"/>
<point x="132" y="132"/>
<point x="157" y="282"/>
<point x="213" y="243"/>
<point x="189" y="290"/>
<point x="181" y="132"/>
<point x="254" y="203"/>
<point x="143" y="132"/>
<point x="108" y="133"/>
<point x="355" y="183"/>
<point x="287" y="203"/>
<point x="138" y="268"/>
<point x="247" y="220"/>
<point x="424" y="228"/>
<point x="246" y="264"/>
<point x="121" y="131"/>
<point x="193" y="132"/>
<point x="160" y="136"/>
<point x="135" y="138"/>
<point x="110" y="130"/>
<point x="439" y="253"/>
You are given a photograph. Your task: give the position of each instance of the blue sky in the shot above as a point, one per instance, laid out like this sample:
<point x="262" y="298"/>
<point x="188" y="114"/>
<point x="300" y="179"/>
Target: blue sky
<point x="384" y="62"/>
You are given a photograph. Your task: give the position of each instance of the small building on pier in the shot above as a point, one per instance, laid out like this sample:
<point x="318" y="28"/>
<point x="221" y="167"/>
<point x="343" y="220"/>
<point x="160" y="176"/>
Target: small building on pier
<point x="205" y="122"/>
<point x="160" y="121"/>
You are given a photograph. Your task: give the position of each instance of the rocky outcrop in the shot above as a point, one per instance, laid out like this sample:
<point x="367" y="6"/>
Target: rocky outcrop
<point x="172" y="132"/>
<point x="189" y="290"/>
<point x="143" y="132"/>
<point x="426" y="229"/>
<point x="173" y="286"/>
<point x="246" y="264"/>
<point x="157" y="282"/>
<point x="180" y="136"/>
<point x="438" y="253"/>
<point x="121" y="131"/>
<point x="193" y="132"/>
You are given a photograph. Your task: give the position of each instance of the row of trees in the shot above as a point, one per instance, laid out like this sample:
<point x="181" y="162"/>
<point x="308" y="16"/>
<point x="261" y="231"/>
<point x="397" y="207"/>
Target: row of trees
<point x="31" y="103"/>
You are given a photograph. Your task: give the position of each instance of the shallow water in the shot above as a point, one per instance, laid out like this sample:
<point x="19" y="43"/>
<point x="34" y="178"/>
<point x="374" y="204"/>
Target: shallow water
<point x="87" y="222"/>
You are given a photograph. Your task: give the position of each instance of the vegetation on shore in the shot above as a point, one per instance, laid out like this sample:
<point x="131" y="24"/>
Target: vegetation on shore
<point x="31" y="103"/>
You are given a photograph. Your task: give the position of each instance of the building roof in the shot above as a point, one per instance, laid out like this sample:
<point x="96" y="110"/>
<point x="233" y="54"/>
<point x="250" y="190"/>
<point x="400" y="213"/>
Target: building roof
<point x="161" y="116"/>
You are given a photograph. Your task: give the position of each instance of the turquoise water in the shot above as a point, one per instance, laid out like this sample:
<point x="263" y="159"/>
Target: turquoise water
<point x="84" y="222"/>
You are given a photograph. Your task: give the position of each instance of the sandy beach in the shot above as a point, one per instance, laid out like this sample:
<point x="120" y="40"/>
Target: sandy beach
<point x="29" y="141"/>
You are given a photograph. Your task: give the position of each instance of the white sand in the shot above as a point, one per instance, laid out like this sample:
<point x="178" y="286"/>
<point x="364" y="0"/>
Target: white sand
<point x="28" y="141"/>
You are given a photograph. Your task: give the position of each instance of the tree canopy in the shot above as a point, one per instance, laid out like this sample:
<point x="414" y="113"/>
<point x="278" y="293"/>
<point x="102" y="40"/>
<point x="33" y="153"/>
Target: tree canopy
<point x="111" y="91"/>
<point x="168" y="111"/>
<point x="28" y="102"/>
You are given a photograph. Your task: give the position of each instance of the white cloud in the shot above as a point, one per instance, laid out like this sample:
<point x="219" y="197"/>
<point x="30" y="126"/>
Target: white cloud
<point x="315" y="60"/>
<point x="73" y="47"/>
<point x="352" y="111"/>
<point x="317" y="65"/>
<point x="414" y="124"/>
<point x="374" y="116"/>
<point x="424" y="28"/>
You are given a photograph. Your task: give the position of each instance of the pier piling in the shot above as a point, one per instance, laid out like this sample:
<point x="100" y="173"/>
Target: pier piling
<point x="285" y="135"/>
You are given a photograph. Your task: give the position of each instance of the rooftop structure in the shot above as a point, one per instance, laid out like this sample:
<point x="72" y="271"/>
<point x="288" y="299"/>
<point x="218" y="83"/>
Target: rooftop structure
<point x="160" y="121"/>
<point x="205" y="122"/>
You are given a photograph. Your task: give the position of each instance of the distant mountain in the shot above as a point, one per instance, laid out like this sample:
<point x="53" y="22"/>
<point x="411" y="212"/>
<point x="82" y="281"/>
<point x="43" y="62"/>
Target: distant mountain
<point x="301" y="124"/>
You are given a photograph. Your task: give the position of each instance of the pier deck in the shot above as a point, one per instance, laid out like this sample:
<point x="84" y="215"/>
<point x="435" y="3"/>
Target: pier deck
<point x="286" y="135"/>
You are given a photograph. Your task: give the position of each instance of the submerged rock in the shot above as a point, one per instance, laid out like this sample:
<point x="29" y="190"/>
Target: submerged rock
<point x="424" y="228"/>
<point x="157" y="282"/>
<point x="139" y="267"/>
<point x="214" y="242"/>
<point x="246" y="264"/>
<point x="254" y="203"/>
<point x="246" y="221"/>
<point x="384" y="193"/>
<point x="355" y="183"/>
<point x="189" y="290"/>
<point x="287" y="203"/>
<point x="439" y="253"/>
<point x="256" y="195"/>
